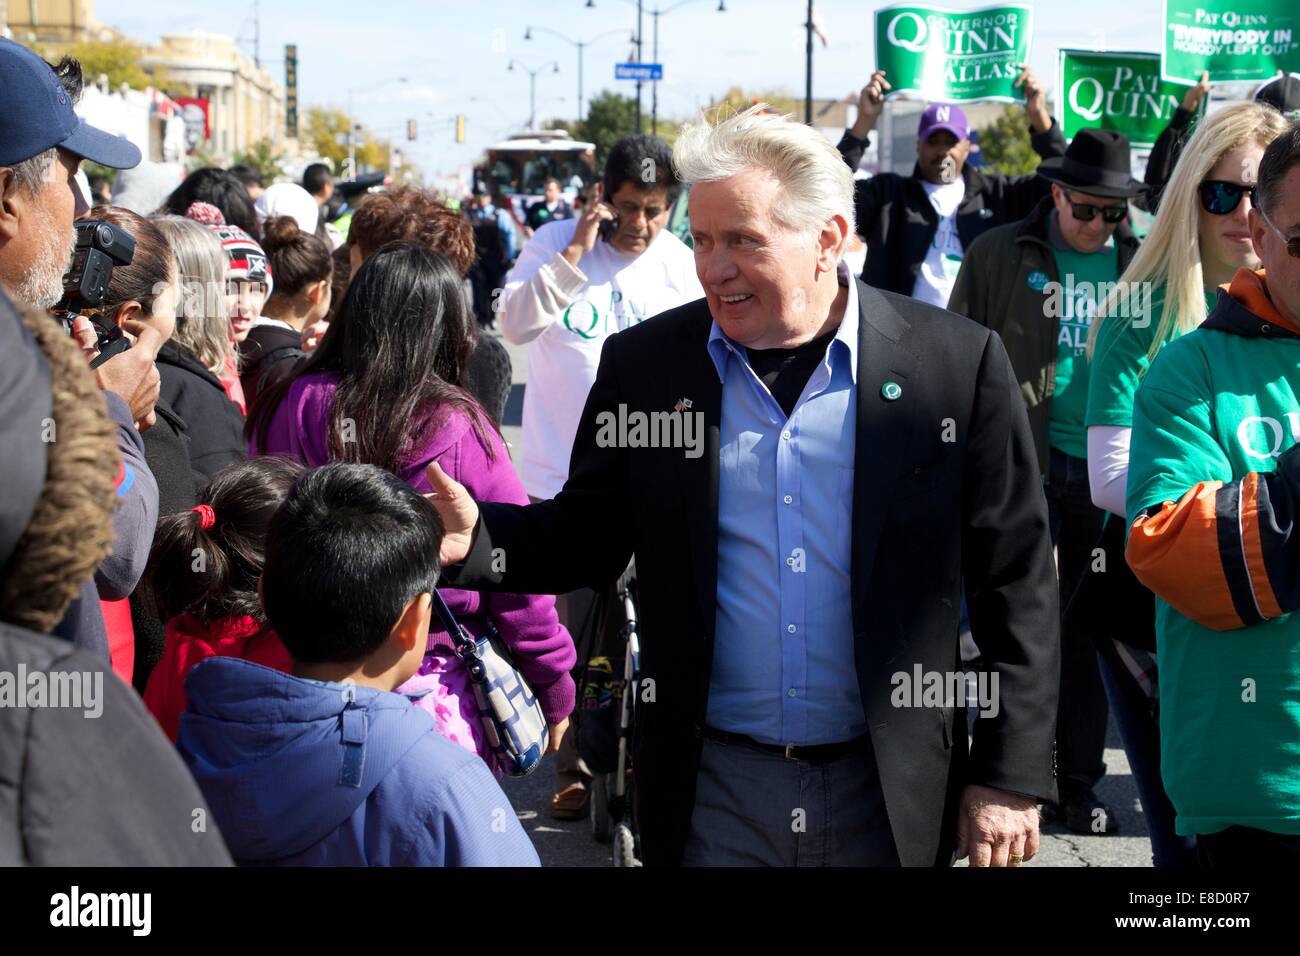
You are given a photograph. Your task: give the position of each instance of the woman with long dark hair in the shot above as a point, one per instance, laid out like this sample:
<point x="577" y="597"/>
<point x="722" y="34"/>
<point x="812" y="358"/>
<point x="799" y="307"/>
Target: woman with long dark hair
<point x="379" y="390"/>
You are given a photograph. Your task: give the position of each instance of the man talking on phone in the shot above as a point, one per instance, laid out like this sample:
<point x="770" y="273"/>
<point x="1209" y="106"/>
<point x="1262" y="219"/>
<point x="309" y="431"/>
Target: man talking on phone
<point x="577" y="282"/>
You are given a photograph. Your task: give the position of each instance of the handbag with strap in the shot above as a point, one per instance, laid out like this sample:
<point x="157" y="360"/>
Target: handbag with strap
<point x="512" y="717"/>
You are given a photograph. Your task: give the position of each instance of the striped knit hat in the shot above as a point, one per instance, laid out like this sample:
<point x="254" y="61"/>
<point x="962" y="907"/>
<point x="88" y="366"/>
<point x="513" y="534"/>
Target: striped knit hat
<point x="245" y="259"/>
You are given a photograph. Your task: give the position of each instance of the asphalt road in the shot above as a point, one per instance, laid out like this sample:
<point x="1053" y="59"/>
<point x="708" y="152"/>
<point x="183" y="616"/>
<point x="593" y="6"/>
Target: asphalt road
<point x="571" y="844"/>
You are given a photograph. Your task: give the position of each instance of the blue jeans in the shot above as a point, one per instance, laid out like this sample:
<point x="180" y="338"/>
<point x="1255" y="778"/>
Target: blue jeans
<point x="756" y="808"/>
<point x="1140" y="731"/>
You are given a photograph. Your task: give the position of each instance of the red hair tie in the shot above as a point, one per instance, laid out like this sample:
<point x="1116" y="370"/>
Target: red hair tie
<point x="207" y="517"/>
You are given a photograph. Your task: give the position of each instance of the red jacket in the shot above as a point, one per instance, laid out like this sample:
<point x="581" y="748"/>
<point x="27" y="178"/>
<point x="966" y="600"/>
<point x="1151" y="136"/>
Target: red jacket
<point x="189" y="641"/>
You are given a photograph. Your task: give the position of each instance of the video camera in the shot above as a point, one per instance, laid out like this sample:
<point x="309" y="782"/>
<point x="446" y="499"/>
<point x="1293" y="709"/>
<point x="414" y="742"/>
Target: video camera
<point x="99" y="248"/>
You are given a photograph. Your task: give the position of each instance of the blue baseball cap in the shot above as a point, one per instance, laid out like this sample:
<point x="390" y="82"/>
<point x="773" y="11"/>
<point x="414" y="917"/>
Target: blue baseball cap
<point x="38" y="114"/>
<point x="946" y="117"/>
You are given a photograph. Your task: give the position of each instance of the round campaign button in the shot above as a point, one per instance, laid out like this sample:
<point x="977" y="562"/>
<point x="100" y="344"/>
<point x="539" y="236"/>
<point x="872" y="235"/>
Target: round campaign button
<point x="891" y="391"/>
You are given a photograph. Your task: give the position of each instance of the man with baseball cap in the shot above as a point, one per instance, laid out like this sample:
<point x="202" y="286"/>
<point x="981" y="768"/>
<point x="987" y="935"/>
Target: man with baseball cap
<point x="42" y="144"/>
<point x="1038" y="283"/>
<point x="917" y="227"/>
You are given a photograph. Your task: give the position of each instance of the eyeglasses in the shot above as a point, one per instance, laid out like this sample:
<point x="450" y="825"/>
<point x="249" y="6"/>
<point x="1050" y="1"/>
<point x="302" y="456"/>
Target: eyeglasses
<point x="1292" y="244"/>
<point x="1220" y="197"/>
<point x="1086" y="212"/>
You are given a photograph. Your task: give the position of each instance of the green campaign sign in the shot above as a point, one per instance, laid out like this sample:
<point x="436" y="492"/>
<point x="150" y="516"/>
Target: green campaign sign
<point x="954" y="55"/>
<point x="1232" y="39"/>
<point x="1118" y="91"/>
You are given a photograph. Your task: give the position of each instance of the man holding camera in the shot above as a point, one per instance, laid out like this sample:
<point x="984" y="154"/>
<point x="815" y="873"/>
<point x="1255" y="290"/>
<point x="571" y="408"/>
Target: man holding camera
<point x="42" y="145"/>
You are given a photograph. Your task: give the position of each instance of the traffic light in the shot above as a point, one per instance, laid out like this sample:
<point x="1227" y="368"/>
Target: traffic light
<point x="460" y="127"/>
<point x="410" y="129"/>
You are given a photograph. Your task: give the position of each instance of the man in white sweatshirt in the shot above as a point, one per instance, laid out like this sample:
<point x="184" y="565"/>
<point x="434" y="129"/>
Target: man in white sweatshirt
<point x="577" y="282"/>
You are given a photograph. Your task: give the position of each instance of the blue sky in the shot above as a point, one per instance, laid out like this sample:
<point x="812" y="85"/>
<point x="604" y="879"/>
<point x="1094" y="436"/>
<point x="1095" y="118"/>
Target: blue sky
<point x="454" y="54"/>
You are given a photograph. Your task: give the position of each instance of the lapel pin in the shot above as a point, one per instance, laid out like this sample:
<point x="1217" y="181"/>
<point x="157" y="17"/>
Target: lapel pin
<point x="682" y="405"/>
<point x="891" y="391"/>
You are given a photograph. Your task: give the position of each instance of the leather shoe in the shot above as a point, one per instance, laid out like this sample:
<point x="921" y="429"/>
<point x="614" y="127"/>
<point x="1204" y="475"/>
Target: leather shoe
<point x="570" y="803"/>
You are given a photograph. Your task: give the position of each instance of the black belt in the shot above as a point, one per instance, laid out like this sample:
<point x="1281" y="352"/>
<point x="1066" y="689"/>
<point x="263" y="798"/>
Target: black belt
<point x="813" y="753"/>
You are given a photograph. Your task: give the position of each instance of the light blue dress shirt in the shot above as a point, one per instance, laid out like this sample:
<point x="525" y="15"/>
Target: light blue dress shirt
<point x="783" y="659"/>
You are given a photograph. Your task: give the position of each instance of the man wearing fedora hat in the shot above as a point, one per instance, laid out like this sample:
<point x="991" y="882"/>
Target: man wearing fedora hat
<point x="1038" y="283"/>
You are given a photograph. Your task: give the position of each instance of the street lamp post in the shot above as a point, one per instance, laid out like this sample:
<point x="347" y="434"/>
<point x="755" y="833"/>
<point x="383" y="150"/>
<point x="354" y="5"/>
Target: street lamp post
<point x="808" y="50"/>
<point x="581" y="45"/>
<point x="532" y="86"/>
<point x="639" y="60"/>
<point x="352" y="123"/>
<point x="591" y="5"/>
<point x="656" y="13"/>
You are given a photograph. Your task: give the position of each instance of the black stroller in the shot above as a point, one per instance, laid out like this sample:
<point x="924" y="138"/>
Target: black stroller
<point x="605" y="715"/>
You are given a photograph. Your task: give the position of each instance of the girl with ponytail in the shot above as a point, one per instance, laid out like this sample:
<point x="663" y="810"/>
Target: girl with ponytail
<point x="203" y="573"/>
<point x="303" y="271"/>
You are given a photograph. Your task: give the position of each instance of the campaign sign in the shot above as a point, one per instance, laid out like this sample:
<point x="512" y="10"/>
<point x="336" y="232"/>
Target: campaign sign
<point x="1231" y="39"/>
<point x="954" y="55"/>
<point x="1117" y="91"/>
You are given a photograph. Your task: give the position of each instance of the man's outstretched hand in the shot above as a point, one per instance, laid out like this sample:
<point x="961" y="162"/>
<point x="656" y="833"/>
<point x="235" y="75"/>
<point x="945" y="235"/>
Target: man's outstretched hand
<point x="458" y="511"/>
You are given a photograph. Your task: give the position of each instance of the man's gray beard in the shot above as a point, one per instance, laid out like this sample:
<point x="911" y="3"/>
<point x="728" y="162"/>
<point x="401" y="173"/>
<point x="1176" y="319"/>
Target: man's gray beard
<point x="42" y="286"/>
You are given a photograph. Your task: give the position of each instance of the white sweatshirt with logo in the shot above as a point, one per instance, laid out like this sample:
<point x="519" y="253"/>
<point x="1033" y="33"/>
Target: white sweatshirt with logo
<point x="567" y="313"/>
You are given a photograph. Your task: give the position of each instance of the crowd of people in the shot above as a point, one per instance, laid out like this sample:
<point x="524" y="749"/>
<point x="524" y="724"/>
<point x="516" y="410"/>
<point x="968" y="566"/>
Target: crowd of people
<point x="1021" y="421"/>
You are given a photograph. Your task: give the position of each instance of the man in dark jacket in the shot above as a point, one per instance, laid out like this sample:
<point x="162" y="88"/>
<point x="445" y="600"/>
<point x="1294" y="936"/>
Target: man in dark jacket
<point x="550" y="207"/>
<point x="41" y="148"/>
<point x="86" y="776"/>
<point x="917" y="227"/>
<point x="1038" y="284"/>
<point x="799" y="546"/>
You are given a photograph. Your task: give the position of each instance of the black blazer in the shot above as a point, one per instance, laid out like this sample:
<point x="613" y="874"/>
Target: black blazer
<point x="946" y="488"/>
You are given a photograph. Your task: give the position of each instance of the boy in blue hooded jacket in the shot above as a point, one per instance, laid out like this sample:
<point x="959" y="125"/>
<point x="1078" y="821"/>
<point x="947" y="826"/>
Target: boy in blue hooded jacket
<point x="325" y="765"/>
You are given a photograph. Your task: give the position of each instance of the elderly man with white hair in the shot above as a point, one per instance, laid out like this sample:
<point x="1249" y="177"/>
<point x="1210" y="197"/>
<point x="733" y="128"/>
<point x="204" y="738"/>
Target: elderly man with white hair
<point x="862" y="454"/>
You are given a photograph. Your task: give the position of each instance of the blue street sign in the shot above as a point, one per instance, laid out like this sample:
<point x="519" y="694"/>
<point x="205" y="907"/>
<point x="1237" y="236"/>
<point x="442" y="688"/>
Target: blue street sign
<point x="638" y="71"/>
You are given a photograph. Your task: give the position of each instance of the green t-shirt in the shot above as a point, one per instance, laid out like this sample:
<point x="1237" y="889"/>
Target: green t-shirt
<point x="1080" y="275"/>
<point x="1216" y="406"/>
<point x="1120" y="360"/>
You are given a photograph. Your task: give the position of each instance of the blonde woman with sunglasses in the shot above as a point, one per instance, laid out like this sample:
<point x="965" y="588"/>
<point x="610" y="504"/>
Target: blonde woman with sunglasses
<point x="1198" y="242"/>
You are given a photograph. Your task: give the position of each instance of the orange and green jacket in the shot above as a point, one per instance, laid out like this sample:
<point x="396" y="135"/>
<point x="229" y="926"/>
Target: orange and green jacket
<point x="1213" y="496"/>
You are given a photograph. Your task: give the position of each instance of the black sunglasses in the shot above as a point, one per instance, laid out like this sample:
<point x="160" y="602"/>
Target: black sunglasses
<point x="1086" y="212"/>
<point x="1220" y="197"/>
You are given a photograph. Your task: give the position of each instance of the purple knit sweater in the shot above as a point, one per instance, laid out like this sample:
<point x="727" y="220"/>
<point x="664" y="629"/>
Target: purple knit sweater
<point x="543" y="649"/>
